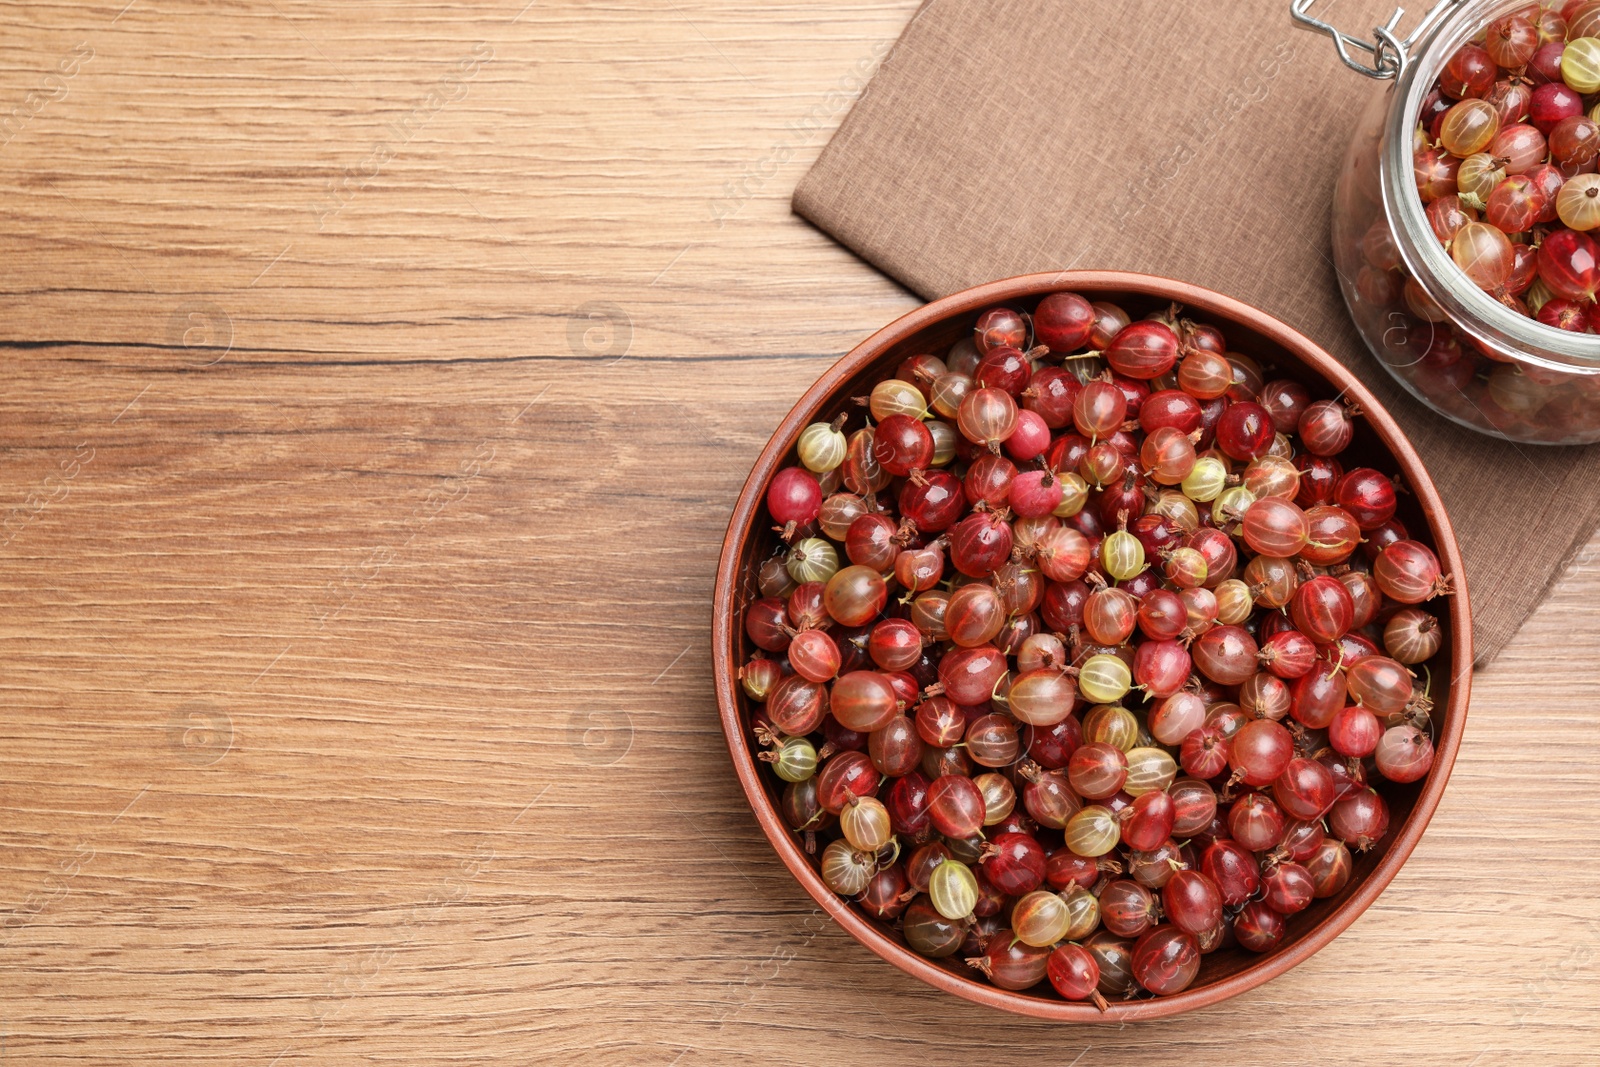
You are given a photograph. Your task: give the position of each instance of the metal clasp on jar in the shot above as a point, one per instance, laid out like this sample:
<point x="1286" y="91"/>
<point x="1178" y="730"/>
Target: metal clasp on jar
<point x="1390" y="54"/>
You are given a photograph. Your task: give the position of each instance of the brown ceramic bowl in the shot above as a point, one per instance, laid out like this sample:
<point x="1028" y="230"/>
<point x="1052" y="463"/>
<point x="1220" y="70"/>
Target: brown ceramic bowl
<point x="1378" y="443"/>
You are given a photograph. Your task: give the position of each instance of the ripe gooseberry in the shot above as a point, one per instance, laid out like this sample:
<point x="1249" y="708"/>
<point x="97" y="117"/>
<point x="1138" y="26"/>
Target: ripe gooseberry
<point x="1409" y="572"/>
<point x="1143" y="350"/>
<point x="1245" y="430"/>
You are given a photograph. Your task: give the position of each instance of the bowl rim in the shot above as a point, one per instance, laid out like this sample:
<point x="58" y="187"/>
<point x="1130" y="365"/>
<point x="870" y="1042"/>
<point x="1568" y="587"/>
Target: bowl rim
<point x="1092" y="283"/>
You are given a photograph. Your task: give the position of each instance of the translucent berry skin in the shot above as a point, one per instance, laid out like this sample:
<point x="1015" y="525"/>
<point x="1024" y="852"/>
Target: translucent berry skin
<point x="1304" y="790"/>
<point x="765" y="621"/>
<point x="1403" y="754"/>
<point x="814" y="655"/>
<point x="930" y="934"/>
<point x="794" y="496"/>
<point x="1468" y="127"/>
<point x="1484" y="254"/>
<point x="1289" y="654"/>
<point x="901" y="445"/>
<point x="1005" y="368"/>
<point x="870" y="542"/>
<point x="992" y="741"/>
<point x="1127" y="908"/>
<point x="940" y="722"/>
<point x="1166" y="960"/>
<point x="935" y="503"/>
<point x="1285" y="400"/>
<point x="1287" y="888"/>
<point x="1092" y="831"/>
<point x="1204" y="753"/>
<point x="907" y="802"/>
<point x="987" y="417"/>
<point x="1330" y="865"/>
<point x="919" y="570"/>
<point x="1162" y="614"/>
<point x="796" y="706"/>
<point x="1510" y="41"/>
<point x="1170" y="407"/>
<point x="1322" y="609"/>
<point x="1000" y="327"/>
<point x="1100" y="408"/>
<point x="1245" y="431"/>
<point x="1043" y="698"/>
<point x="1551" y="103"/>
<point x="974" y="615"/>
<point x="1149" y="822"/>
<point x="1318" y="695"/>
<point x="1063" y="321"/>
<point x="1368" y="496"/>
<point x="1449" y="215"/>
<point x="1319" y="479"/>
<point x="863" y="700"/>
<point x="954" y="889"/>
<point x="1274" y="527"/>
<point x="1435" y="172"/>
<point x="854" y="595"/>
<point x="1470" y="72"/>
<point x="1051" y="746"/>
<point x="1580" y="63"/>
<point x="979" y="544"/>
<point x="1569" y="263"/>
<point x="1194" y="806"/>
<point x="1407" y="571"/>
<point x="885" y="895"/>
<point x="1232" y="869"/>
<point x="1332" y="536"/>
<point x="1516" y="205"/>
<point x="1258" y="927"/>
<point x="758" y="677"/>
<point x="1260" y="751"/>
<point x="1412" y="636"/>
<point x="1380" y="683"/>
<point x="1545" y="66"/>
<point x="1192" y="901"/>
<point x="1521" y="145"/>
<point x="1017" y="865"/>
<point x="1096" y="771"/>
<point x="955" y="806"/>
<point x="1225" y="654"/>
<point x="1256" y="822"/>
<point x="1325" y="428"/>
<point x="1360" y="820"/>
<point x="1548" y="179"/>
<point x="896" y="750"/>
<point x="1010" y="963"/>
<point x="1143" y="350"/>
<point x="1564" y="314"/>
<point x="1161" y="668"/>
<point x="989" y="480"/>
<point x="1073" y="972"/>
<point x="1050" y="394"/>
<point x="846" y="775"/>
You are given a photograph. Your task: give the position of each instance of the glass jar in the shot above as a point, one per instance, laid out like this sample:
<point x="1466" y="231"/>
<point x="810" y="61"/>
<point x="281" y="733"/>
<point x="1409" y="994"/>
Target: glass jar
<point x="1454" y="346"/>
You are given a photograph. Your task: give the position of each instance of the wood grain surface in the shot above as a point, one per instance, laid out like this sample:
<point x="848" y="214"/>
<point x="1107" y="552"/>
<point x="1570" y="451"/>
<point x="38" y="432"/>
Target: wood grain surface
<point x="376" y="384"/>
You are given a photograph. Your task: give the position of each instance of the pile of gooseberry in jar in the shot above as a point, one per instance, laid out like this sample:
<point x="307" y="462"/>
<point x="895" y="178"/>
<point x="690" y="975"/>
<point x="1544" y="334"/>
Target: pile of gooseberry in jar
<point x="1506" y="160"/>
<point x="1082" y="654"/>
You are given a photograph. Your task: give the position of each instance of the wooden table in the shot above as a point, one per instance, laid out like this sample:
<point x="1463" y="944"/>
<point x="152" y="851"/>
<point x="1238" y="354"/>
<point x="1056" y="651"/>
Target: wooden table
<point x="376" y="385"/>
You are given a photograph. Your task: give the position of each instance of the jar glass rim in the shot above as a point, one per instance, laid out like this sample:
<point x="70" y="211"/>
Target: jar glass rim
<point x="1474" y="311"/>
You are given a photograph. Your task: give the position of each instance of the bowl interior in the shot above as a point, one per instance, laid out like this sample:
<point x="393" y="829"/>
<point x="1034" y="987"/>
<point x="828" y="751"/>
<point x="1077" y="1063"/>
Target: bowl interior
<point x="751" y="541"/>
